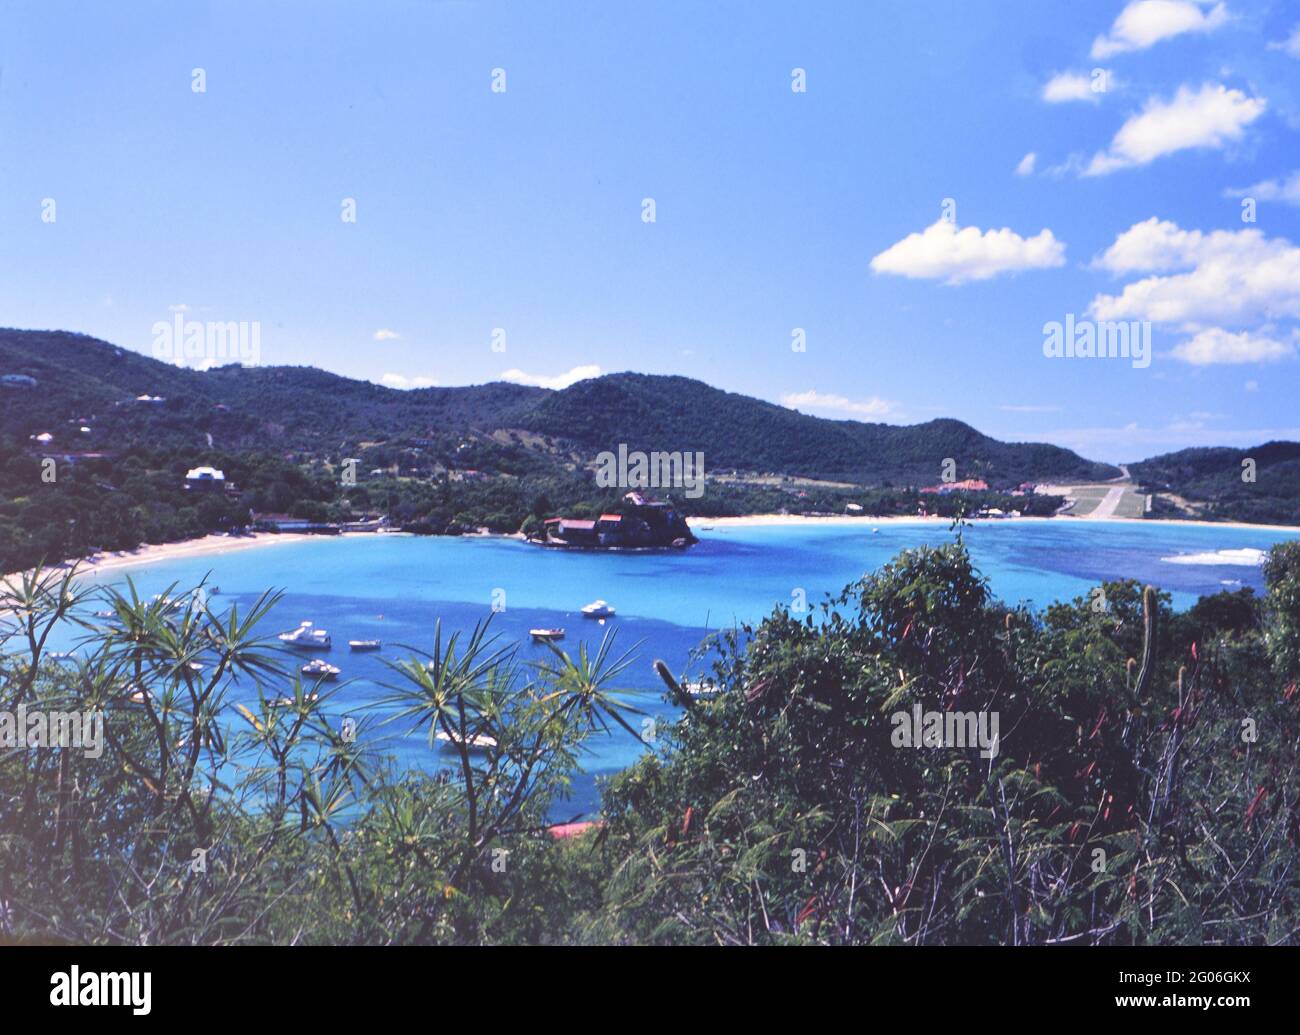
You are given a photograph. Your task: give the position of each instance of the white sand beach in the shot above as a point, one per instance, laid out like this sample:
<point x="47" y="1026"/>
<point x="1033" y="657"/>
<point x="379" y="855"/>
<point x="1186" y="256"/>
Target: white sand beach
<point x="208" y="545"/>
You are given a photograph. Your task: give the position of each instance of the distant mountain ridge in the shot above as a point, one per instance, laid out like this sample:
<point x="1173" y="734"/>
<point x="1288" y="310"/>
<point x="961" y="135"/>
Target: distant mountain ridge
<point x="306" y="408"/>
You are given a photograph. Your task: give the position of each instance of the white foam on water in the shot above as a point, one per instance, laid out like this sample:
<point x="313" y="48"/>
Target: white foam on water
<point x="1248" y="556"/>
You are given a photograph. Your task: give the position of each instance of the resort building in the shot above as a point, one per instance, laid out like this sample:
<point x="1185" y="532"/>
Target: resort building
<point x="644" y="522"/>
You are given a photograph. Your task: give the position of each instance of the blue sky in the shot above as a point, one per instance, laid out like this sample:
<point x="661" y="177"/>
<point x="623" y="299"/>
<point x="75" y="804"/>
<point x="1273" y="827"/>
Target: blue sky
<point x="774" y="209"/>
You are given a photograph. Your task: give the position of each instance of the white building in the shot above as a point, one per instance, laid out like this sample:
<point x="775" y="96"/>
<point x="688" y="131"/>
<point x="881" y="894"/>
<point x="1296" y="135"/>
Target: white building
<point x="205" y="478"/>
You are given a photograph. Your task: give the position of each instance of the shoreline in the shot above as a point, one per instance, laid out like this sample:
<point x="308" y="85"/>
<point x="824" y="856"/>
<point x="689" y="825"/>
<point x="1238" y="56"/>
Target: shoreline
<point x="214" y="545"/>
<point x="757" y="520"/>
<point x="204" y="546"/>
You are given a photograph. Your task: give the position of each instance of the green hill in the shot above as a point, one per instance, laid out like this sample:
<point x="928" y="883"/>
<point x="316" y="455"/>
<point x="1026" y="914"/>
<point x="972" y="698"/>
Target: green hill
<point x="242" y="407"/>
<point x="1211" y="481"/>
<point x="304" y="409"/>
<point x="734" y="431"/>
<point x="124" y="428"/>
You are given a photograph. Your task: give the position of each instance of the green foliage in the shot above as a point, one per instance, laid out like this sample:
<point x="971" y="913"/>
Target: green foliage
<point x="779" y="811"/>
<point x="782" y="812"/>
<point x="1282" y="575"/>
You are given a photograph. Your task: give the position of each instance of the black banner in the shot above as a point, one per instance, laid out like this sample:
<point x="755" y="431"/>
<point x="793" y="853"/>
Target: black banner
<point x="171" y="984"/>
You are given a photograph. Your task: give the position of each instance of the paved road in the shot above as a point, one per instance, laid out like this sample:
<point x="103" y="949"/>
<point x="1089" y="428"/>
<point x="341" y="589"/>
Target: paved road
<point x="1106" y="508"/>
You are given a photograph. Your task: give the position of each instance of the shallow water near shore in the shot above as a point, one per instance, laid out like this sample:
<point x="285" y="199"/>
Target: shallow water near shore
<point x="394" y="588"/>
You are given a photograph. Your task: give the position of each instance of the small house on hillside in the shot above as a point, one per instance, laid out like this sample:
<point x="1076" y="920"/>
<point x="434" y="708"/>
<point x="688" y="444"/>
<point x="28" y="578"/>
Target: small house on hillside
<point x="205" y="479"/>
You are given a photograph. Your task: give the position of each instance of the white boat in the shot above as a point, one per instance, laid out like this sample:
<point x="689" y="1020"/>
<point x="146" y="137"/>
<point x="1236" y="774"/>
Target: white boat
<point x="702" y="691"/>
<point x="320" y="669"/>
<point x="289" y="702"/>
<point x="598" y="609"/>
<point x="364" y="644"/>
<point x="546" y="634"/>
<point x="306" y="636"/>
<point x="477" y="741"/>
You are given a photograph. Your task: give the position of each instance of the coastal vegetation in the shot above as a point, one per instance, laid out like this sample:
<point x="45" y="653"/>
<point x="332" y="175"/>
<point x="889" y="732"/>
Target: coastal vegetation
<point x="1260" y="484"/>
<point x="1144" y="789"/>
<point x="96" y="440"/>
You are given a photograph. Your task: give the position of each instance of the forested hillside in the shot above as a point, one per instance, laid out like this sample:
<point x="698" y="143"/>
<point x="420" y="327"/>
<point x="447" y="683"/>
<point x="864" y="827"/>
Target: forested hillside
<point x="122" y="430"/>
<point x="301" y="407"/>
<point x="1257" y="483"/>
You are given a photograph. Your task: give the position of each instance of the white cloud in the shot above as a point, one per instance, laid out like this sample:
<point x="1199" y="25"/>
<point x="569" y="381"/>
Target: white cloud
<point x="1026" y="166"/>
<point x="1151" y="246"/>
<point x="383" y="334"/>
<point x="402" y="381"/>
<point x="1210" y="117"/>
<point x="1217" y="346"/>
<point x="813" y="400"/>
<point x="1234" y="277"/>
<point x="1144" y="23"/>
<point x="1290" y="45"/>
<point x="943" y="252"/>
<point x="1287" y="190"/>
<point x="1070" y="86"/>
<point x="581" y="373"/>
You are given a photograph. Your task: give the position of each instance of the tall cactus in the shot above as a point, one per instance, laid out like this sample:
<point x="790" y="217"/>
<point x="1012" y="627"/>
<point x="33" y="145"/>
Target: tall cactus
<point x="1150" y="615"/>
<point x="679" y="694"/>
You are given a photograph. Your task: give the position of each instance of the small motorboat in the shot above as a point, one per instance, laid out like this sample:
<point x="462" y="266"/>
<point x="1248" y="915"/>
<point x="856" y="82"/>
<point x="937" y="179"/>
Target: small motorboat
<point x="598" y="609"/>
<point x="320" y="669"/>
<point x="545" y="635"/>
<point x="364" y="644"/>
<point x="306" y="636"/>
<point x="476" y="741"/>
<point x="289" y="702"/>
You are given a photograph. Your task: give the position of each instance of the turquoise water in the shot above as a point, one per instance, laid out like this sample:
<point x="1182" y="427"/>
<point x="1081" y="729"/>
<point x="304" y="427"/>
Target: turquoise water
<point x="394" y="588"/>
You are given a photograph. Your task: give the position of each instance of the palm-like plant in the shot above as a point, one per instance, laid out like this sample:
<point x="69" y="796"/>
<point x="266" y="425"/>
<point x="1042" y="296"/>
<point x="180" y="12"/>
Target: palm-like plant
<point x="581" y="686"/>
